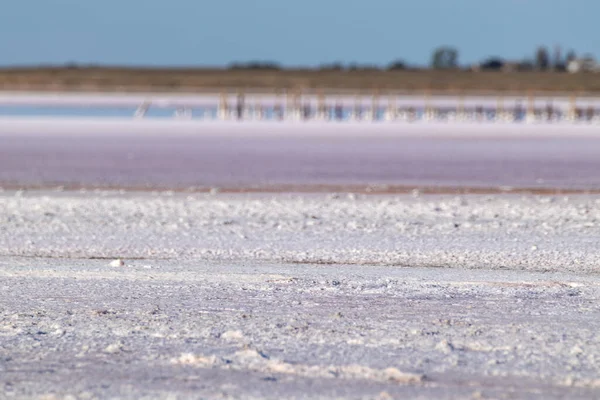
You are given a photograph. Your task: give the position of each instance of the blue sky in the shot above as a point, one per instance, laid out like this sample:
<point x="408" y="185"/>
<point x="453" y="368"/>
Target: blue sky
<point x="305" y="32"/>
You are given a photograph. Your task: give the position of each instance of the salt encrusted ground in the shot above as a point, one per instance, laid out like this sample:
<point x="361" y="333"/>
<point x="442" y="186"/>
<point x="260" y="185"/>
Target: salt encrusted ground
<point x="545" y="233"/>
<point x="285" y="296"/>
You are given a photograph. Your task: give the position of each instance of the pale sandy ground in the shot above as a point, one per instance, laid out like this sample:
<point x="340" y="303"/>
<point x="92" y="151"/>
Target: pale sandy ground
<point x="284" y="296"/>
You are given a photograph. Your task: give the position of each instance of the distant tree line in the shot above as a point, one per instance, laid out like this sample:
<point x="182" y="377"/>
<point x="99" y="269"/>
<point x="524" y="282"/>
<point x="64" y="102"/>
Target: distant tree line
<point x="442" y="58"/>
<point x="335" y="66"/>
<point x="256" y="65"/>
<point x="445" y="57"/>
<point x="542" y="60"/>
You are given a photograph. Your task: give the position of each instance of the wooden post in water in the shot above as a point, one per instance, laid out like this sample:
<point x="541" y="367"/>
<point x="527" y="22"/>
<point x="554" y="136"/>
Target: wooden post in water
<point x="240" y="106"/>
<point x="375" y="105"/>
<point x="530" y="107"/>
<point x="500" y="108"/>
<point x="321" y="111"/>
<point x="222" y="111"/>
<point x="278" y="108"/>
<point x="549" y="111"/>
<point x="142" y="109"/>
<point x="391" y="108"/>
<point x="460" y="112"/>
<point x="355" y="114"/>
<point x="428" y="112"/>
<point x="572" y="112"/>
<point x="259" y="110"/>
<point x="290" y="103"/>
<point x="297" y="105"/>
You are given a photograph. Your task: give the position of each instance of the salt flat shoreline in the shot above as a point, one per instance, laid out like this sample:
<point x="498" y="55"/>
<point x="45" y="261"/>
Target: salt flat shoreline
<point x="111" y="99"/>
<point x="116" y="126"/>
<point x="11" y="189"/>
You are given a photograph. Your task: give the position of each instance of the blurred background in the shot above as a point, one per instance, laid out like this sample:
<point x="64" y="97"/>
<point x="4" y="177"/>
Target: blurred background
<point x="528" y="68"/>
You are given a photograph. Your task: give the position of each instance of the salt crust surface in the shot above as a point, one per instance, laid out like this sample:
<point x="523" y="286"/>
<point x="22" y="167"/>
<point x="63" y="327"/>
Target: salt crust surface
<point x="283" y="296"/>
<point x="492" y="232"/>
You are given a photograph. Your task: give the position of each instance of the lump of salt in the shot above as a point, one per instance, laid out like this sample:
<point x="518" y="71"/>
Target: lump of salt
<point x="117" y="263"/>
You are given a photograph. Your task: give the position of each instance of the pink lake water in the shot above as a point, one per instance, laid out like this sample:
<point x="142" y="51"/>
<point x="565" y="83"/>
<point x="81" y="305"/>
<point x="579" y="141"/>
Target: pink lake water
<point x="229" y="156"/>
